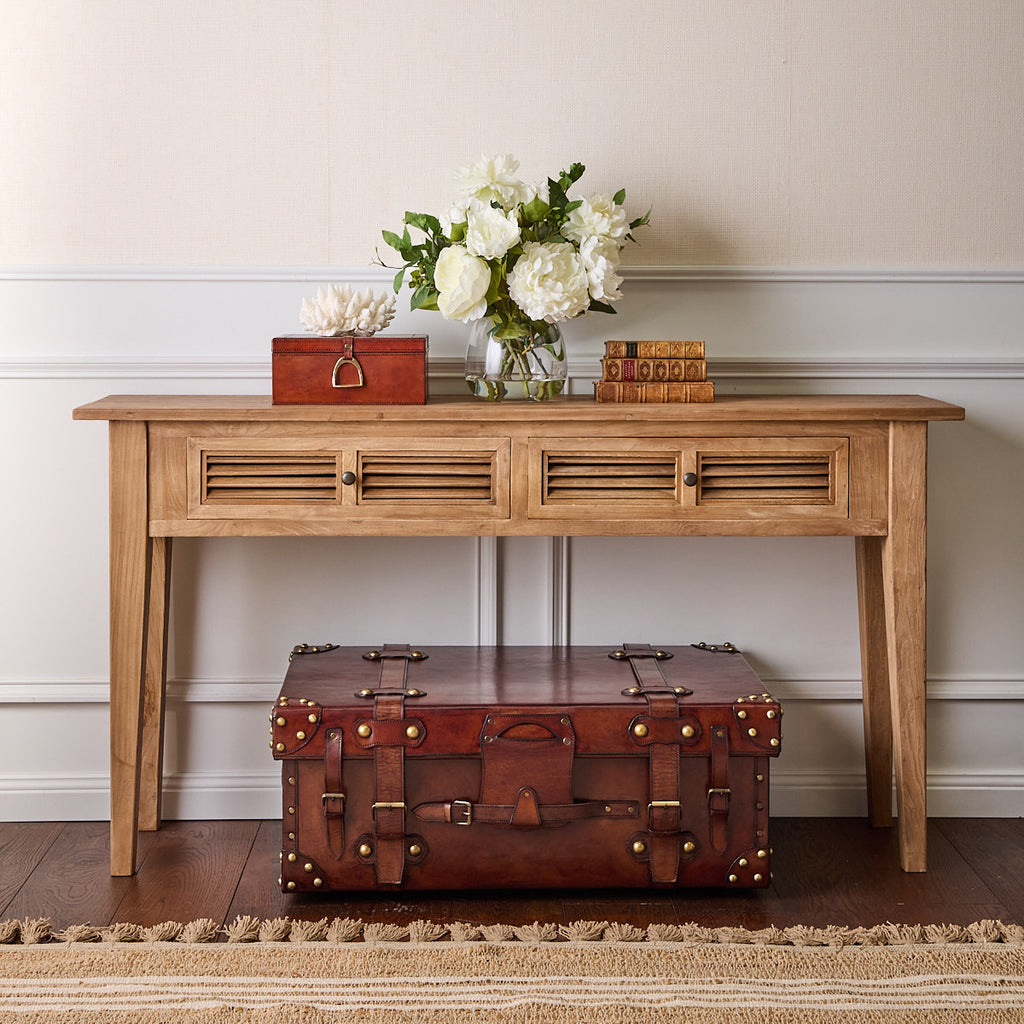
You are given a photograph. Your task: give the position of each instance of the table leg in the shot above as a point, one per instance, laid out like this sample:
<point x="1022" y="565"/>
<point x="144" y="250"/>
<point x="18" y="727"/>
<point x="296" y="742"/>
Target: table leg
<point x="152" y="756"/>
<point x="130" y="553"/>
<point x="875" y="677"/>
<point x="903" y="577"/>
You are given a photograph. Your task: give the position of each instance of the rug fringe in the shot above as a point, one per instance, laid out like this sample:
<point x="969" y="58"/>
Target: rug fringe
<point x="40" y="931"/>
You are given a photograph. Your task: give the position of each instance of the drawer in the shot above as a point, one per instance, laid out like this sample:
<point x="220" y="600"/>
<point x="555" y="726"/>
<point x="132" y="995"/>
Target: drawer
<point x="316" y="478"/>
<point x="689" y="478"/>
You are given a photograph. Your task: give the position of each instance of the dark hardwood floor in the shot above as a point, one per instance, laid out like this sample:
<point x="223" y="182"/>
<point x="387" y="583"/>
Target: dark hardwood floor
<point x="826" y="871"/>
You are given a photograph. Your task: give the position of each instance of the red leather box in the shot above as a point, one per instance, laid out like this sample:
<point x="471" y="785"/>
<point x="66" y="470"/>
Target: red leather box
<point x="381" y="370"/>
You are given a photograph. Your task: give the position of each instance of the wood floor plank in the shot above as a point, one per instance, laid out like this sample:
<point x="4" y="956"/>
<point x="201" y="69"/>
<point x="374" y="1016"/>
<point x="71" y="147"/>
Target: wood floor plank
<point x="71" y="884"/>
<point x="842" y="871"/>
<point x="22" y="847"/>
<point x="190" y="871"/>
<point x="994" y="848"/>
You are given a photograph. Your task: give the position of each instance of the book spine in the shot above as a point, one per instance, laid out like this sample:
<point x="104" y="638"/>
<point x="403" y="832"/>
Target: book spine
<point x="615" y="368"/>
<point x="654" y="349"/>
<point x="652" y="392"/>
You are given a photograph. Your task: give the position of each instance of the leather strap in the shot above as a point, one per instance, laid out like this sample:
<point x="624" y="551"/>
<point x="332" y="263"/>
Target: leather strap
<point x="463" y="812"/>
<point x="719" y="794"/>
<point x="334" y="792"/>
<point x="664" y="810"/>
<point x="389" y="770"/>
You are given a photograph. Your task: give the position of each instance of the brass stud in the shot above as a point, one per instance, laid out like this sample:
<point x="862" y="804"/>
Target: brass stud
<point x="279" y="747"/>
<point x="365" y="730"/>
<point x="734" y="878"/>
<point x="280" y="856"/>
<point x="619" y="653"/>
<point x="762" y="854"/>
<point x="679" y="689"/>
<point x="365" y="693"/>
<point x="413" y="732"/>
<point x="771" y="714"/>
<point x="413" y="692"/>
<point x="291" y="810"/>
<point x="743" y="862"/>
<point x="607" y="809"/>
<point x="318" y="882"/>
<point x="564" y="721"/>
<point x="282" y="721"/>
<point x="300" y="735"/>
<point x="311" y="719"/>
<point x="741" y="714"/>
<point x="416" y="655"/>
<point x="758" y="877"/>
<point x="567" y="742"/>
<point x="291" y="780"/>
<point x="302" y="700"/>
<point x="415" y="850"/>
<point x="759" y="777"/>
<point x="751" y="732"/>
<point x="292" y="858"/>
<point x="689" y="846"/>
<point x="639" y="846"/>
<point x="640" y="730"/>
<point x="688" y="731"/>
<point x="283" y="701"/>
<point x="661" y="654"/>
<point x="291" y="885"/>
<point x="372" y="655"/>
<point x="633" y="691"/>
<point x="307" y="867"/>
<point x="631" y="810"/>
<point x="291" y="835"/>
<point x="365" y="850"/>
<point x="741" y="700"/>
<point x="774" y="742"/>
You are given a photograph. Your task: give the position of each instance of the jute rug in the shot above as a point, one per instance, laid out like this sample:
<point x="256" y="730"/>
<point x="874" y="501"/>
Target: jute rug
<point x="342" y="970"/>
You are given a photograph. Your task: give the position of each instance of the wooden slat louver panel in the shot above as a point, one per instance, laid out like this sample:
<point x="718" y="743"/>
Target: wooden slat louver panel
<point x="605" y="477"/>
<point x="427" y="476"/>
<point x="270" y="478"/>
<point x="786" y="479"/>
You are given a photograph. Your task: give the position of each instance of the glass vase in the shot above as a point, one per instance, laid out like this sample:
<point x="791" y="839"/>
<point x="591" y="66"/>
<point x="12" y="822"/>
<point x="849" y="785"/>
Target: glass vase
<point x="529" y="365"/>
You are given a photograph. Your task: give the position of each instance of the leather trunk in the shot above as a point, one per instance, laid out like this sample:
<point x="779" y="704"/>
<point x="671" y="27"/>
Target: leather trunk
<point x="381" y="370"/>
<point x="523" y="767"/>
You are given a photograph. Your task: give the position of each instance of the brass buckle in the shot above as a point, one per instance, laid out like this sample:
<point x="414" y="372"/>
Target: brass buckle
<point x="387" y="806"/>
<point x="345" y="361"/>
<point x="469" y="811"/>
<point x="720" y="791"/>
<point x="324" y="797"/>
<point x="663" y="803"/>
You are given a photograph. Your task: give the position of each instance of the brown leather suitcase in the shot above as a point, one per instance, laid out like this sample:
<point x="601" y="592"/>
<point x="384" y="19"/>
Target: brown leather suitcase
<point x="381" y="370"/>
<point x="523" y="767"/>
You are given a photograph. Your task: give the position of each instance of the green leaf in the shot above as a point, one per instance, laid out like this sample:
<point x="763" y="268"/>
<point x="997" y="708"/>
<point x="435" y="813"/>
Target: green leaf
<point x="458" y="231"/>
<point x="424" y="297"/>
<point x="427" y="223"/>
<point x="620" y="197"/>
<point x="536" y="210"/>
<point x="641" y="221"/>
<point x="398" y="280"/>
<point x="392" y="239"/>
<point x="574" y="205"/>
<point x="601" y="307"/>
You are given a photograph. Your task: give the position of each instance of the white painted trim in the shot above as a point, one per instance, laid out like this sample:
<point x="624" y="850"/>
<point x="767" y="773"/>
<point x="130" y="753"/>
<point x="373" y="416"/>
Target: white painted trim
<point x="373" y="274"/>
<point x="257" y="794"/>
<point x="102" y="368"/>
<point x="487" y="591"/>
<point x="259" y="691"/>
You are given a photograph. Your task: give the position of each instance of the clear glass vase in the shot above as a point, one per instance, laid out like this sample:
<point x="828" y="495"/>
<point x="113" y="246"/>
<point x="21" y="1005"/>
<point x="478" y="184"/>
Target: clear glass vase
<point x="529" y="365"/>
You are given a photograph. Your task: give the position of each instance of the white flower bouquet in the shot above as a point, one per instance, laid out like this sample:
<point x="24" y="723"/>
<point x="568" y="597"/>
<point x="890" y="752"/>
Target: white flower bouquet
<point x="517" y="259"/>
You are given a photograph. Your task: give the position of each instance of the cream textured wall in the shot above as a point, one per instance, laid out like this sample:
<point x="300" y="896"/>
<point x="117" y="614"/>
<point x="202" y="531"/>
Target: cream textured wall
<point x="765" y="132"/>
<point x="175" y="175"/>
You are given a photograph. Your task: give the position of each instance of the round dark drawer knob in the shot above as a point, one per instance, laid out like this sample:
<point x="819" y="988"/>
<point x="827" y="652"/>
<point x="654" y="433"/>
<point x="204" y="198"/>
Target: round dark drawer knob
<point x="348" y="477"/>
<point x="690" y="479"/>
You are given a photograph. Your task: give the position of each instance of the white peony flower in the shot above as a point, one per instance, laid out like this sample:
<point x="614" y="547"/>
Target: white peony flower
<point x="462" y="281"/>
<point x="598" y="215"/>
<point x="490" y="233"/>
<point x="600" y="258"/>
<point x="492" y="178"/>
<point x="548" y="282"/>
<point x="455" y="214"/>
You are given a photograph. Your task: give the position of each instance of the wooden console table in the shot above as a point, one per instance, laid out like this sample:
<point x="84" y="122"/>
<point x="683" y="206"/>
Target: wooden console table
<point x="189" y="466"/>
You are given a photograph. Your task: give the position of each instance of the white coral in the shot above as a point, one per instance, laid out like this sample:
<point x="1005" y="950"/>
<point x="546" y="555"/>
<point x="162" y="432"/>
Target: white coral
<point x="339" y="310"/>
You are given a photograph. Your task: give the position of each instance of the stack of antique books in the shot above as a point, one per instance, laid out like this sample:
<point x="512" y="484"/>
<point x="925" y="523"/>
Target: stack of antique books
<point x="654" y="371"/>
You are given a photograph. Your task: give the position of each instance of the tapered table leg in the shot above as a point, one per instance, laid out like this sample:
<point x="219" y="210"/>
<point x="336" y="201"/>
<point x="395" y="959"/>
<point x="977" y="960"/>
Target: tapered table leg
<point x="874" y="662"/>
<point x="130" y="552"/>
<point x="903" y="576"/>
<point x="152" y="756"/>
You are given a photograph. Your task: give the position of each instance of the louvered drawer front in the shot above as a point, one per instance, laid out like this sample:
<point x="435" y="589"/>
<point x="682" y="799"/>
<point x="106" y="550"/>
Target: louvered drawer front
<point x="780" y="474"/>
<point x="426" y="477"/>
<point x="270" y="478"/>
<point x="610" y="478"/>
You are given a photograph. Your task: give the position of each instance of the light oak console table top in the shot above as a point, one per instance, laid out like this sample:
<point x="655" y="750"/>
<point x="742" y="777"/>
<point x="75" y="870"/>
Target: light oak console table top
<point x="801" y="465"/>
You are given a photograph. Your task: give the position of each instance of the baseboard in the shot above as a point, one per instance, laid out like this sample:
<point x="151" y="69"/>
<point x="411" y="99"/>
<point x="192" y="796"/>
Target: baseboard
<point x="252" y="794"/>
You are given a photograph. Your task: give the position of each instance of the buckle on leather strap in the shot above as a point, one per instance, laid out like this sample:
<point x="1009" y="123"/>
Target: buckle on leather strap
<point x="663" y="803"/>
<point x="324" y="797"/>
<point x="722" y="794"/>
<point x="468" y="812"/>
<point x="388" y="806"/>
